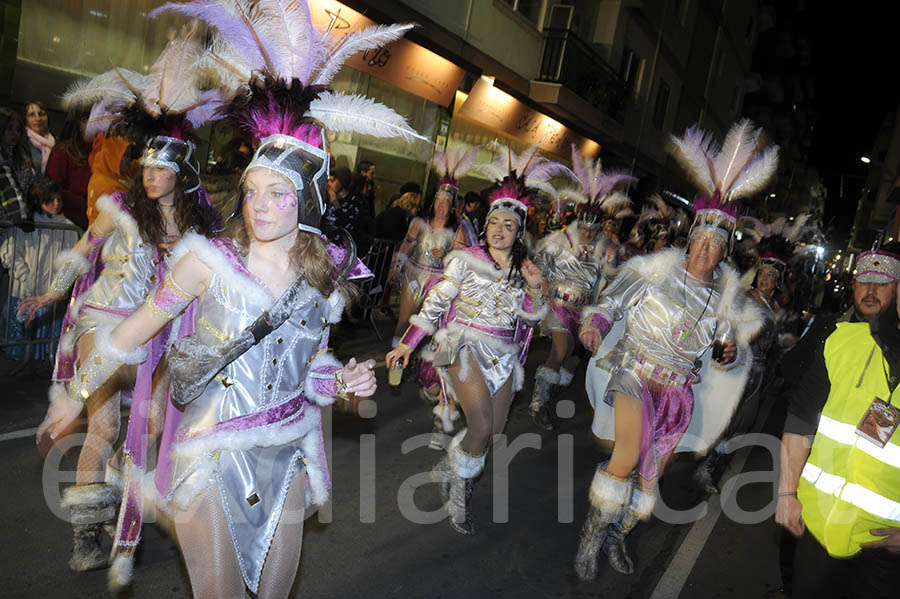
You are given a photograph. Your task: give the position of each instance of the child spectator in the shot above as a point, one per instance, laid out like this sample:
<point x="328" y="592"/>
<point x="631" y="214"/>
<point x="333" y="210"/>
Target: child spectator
<point x="28" y="257"/>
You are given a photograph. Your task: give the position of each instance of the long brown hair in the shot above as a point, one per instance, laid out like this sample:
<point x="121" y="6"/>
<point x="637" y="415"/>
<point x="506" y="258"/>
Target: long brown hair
<point x="188" y="212"/>
<point x="72" y="138"/>
<point x="308" y="256"/>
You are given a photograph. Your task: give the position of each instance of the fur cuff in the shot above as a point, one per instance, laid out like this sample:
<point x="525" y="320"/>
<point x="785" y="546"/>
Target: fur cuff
<point x="78" y="262"/>
<point x="547" y="374"/>
<point x="642" y="502"/>
<point x="336" y="302"/>
<point x="104" y="347"/>
<point x="465" y="464"/>
<point x="56" y="392"/>
<point x="609" y="493"/>
<point x="320" y="386"/>
<point x="422" y="323"/>
<point x="565" y="377"/>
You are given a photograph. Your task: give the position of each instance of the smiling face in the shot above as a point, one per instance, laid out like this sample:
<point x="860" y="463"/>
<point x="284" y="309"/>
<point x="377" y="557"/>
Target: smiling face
<point x="501" y="230"/>
<point x="442" y="204"/>
<point x="54" y="206"/>
<point x="36" y="118"/>
<point x="270" y="205"/>
<point x="159" y="181"/>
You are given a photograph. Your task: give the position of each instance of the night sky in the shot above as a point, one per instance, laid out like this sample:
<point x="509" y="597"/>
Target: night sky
<point x="855" y="72"/>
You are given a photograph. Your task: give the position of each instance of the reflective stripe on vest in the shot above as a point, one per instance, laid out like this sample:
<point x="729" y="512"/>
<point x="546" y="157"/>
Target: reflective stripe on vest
<point x="846" y="434"/>
<point x="852" y="493"/>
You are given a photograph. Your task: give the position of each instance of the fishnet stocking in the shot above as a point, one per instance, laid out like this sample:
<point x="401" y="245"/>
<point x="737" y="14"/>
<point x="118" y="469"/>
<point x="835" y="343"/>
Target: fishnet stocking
<point x="103" y="420"/>
<point x="485" y="416"/>
<point x="281" y="564"/>
<point x="208" y="550"/>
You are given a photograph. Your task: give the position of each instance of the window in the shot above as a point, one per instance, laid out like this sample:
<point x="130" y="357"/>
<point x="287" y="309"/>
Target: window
<point x="628" y="70"/>
<point x="662" y="103"/>
<point x="530" y="9"/>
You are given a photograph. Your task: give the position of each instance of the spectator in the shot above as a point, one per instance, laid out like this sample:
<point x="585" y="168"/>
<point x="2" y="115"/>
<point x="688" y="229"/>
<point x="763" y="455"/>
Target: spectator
<point x="474" y="210"/>
<point x="41" y="141"/>
<point x="338" y="196"/>
<point x="29" y="259"/>
<point x="17" y="170"/>
<point x="363" y="187"/>
<point x="393" y="221"/>
<point x="68" y="166"/>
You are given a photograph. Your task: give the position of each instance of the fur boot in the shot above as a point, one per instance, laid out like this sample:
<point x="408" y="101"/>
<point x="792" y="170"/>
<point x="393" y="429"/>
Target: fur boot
<point x="89" y="506"/>
<point x="608" y="495"/>
<point x="544" y="381"/>
<point x="639" y="508"/>
<point x="465" y="467"/>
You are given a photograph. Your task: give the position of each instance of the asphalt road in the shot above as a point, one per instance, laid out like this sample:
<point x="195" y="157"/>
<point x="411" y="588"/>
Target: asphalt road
<point x="528" y="508"/>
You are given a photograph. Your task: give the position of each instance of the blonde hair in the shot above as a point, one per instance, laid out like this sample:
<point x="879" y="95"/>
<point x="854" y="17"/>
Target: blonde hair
<point x="409" y="201"/>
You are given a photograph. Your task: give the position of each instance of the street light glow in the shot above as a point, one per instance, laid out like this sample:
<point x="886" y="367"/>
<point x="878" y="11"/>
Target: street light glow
<point x="865" y="159"/>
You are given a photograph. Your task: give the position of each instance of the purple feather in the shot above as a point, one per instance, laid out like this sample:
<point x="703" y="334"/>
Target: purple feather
<point x="606" y="182"/>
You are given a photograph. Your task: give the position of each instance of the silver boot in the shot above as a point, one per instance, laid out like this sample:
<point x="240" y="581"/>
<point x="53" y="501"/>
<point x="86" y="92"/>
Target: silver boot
<point x="544" y="380"/>
<point x="465" y="467"/>
<point x="608" y="495"/>
<point x="639" y="508"/>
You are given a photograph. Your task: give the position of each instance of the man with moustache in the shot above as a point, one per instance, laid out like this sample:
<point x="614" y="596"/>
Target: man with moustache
<point x="840" y="492"/>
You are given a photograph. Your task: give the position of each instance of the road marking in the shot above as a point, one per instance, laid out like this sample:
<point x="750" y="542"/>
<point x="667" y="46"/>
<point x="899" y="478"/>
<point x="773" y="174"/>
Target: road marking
<point x="673" y="579"/>
<point x="25" y="432"/>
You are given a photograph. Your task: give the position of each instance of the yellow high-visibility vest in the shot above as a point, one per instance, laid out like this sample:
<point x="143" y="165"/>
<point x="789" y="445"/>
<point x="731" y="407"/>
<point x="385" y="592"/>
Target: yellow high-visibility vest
<point x="849" y="485"/>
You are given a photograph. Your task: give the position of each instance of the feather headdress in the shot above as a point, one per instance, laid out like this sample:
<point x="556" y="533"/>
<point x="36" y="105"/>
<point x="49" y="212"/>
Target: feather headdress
<point x="773" y="244"/>
<point x="723" y="175"/>
<point x="596" y="197"/>
<point x="279" y="66"/>
<point x="452" y="165"/>
<point x="517" y="176"/>
<point x="157" y="111"/>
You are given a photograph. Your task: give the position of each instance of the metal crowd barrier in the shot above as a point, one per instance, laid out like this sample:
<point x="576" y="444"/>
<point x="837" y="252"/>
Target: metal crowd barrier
<point x="373" y="291"/>
<point x="27" y="261"/>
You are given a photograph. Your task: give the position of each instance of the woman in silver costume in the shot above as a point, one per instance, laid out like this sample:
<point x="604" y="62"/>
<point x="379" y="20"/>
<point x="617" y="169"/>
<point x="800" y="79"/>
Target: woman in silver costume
<point x="492" y="295"/>
<point x="246" y="458"/>
<point x="674" y="307"/>
<point x="775" y="244"/>
<point x="577" y="265"/>
<point x="129" y="240"/>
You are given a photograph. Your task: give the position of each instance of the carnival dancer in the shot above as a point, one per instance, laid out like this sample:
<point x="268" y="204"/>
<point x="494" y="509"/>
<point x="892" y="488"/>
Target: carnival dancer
<point x="121" y="258"/>
<point x="576" y="266"/>
<point x="244" y="459"/>
<point x="674" y="307"/>
<point x="774" y="246"/>
<point x="491" y="294"/>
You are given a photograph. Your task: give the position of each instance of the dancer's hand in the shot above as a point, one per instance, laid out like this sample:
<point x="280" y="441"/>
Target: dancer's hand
<point x="788" y="514"/>
<point x="359" y="379"/>
<point x="30" y="306"/>
<point x="400" y="353"/>
<point x="532" y="273"/>
<point x="729" y="352"/>
<point x="61" y="414"/>
<point x="590" y="339"/>
<point x="438" y="253"/>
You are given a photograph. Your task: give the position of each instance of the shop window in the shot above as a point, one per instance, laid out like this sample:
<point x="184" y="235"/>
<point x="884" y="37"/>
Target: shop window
<point x="530" y="9"/>
<point x="661" y="105"/>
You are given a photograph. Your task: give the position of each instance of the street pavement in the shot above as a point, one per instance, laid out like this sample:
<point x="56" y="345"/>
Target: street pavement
<point x="528" y="507"/>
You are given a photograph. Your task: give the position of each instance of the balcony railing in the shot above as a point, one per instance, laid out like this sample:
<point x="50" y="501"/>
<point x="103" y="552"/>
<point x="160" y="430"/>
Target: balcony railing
<point x="571" y="62"/>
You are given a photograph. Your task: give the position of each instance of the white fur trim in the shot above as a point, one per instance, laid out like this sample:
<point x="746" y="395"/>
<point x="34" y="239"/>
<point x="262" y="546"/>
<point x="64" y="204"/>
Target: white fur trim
<point x="266" y="436"/>
<point x="219" y="264"/>
<point x="607" y="493"/>
<point x="80" y="263"/>
<point x="747" y="278"/>
<point x="309" y="390"/>
<point x="336" y="302"/>
<point x="422" y="323"/>
<point x="642" y="502"/>
<point x="535" y="317"/>
<point x="547" y="374"/>
<point x="124" y="221"/>
<point x="565" y="376"/>
<point x="56" y="392"/>
<point x="120" y="572"/>
<point x="97" y="494"/>
<point x="480" y="266"/>
<point x="466" y="465"/>
<point x="104" y="347"/>
<point x="317" y="490"/>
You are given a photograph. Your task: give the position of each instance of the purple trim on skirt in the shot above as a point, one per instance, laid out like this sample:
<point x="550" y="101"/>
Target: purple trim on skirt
<point x="667" y="414"/>
<point x="569" y="317"/>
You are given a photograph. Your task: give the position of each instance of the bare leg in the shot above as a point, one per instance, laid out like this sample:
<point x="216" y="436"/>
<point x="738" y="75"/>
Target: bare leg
<point x="407" y="308"/>
<point x="562" y="348"/>
<point x="208" y="550"/>
<point x="628" y="427"/>
<point x="283" y="559"/>
<point x="475" y="400"/>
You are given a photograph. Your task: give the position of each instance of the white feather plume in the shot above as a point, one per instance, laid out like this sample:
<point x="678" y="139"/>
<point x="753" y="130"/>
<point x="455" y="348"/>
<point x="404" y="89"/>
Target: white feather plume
<point x="694" y="151"/>
<point x="106" y="86"/>
<point x="737" y="151"/>
<point x="755" y="176"/>
<point x="369" y="38"/>
<point x="345" y="112"/>
<point x="172" y="84"/>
